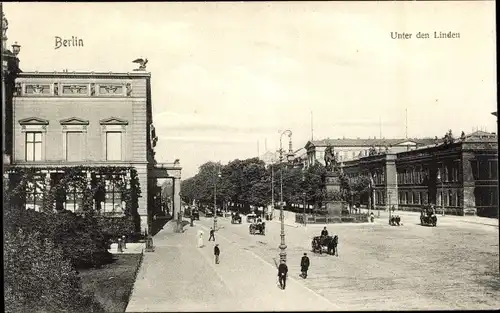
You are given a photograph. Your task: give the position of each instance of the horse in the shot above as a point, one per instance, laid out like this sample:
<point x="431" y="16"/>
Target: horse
<point x="328" y="242"/>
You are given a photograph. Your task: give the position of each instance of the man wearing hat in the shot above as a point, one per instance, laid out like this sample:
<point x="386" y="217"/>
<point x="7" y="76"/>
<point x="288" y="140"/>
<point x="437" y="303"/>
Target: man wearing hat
<point x="216" y="253"/>
<point x="304" y="265"/>
<point x="282" y="273"/>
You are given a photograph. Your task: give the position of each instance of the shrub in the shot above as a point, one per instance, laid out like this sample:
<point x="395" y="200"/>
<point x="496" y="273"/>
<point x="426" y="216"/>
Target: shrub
<point x="38" y="278"/>
<point x="115" y="227"/>
<point x="347" y="219"/>
<point x="79" y="237"/>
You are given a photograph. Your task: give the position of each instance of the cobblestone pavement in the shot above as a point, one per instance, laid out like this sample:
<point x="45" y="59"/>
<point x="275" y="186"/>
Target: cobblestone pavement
<point x="380" y="267"/>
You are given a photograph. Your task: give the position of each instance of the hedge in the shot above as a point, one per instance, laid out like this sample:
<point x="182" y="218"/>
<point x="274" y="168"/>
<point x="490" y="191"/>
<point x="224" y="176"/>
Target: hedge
<point x="116" y="227"/>
<point x="79" y="237"/>
<point x="38" y="277"/>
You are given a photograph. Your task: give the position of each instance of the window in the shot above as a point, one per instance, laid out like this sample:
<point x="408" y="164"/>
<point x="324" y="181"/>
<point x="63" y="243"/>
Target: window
<point x="483" y="169"/>
<point x="113" y="146"/>
<point x="451" y="198"/>
<point x="34" y="193"/>
<point x="74" y="199"/>
<point x="112" y="198"/>
<point x="74" y="146"/>
<point x="113" y="135"/>
<point x="493" y="169"/>
<point x="109" y="196"/>
<point x="33" y="146"/>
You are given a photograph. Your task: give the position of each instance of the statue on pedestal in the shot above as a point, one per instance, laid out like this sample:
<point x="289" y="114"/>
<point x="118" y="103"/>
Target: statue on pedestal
<point x="331" y="163"/>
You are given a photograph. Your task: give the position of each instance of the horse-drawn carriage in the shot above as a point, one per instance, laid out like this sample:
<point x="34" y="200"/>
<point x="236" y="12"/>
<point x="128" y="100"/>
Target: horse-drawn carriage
<point x="235" y="219"/>
<point x="395" y="220"/>
<point x="325" y="243"/>
<point x="428" y="216"/>
<point x="195" y="214"/>
<point x="257" y="227"/>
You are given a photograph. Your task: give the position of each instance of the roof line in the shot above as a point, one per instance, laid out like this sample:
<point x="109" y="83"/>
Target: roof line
<point x="88" y="74"/>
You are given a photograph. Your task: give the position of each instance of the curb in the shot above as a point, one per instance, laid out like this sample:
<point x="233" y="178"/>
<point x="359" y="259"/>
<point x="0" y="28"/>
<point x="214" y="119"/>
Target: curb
<point x="291" y="225"/>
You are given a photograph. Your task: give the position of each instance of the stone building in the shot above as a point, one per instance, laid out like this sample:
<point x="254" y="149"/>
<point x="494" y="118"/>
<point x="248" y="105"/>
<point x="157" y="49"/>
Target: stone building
<point x="98" y="121"/>
<point x="461" y="176"/>
<point x="10" y="70"/>
<point x="350" y="149"/>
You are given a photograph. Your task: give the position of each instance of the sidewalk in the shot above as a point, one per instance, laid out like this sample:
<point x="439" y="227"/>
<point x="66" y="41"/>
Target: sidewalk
<point x="132" y="248"/>
<point x="465" y="219"/>
<point x="178" y="276"/>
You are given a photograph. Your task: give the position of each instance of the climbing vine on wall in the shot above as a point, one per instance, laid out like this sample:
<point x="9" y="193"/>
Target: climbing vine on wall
<point x="68" y="178"/>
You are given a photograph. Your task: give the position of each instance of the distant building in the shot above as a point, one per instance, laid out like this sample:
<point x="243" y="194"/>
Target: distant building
<point x="269" y="157"/>
<point x="462" y="176"/>
<point x="350" y="149"/>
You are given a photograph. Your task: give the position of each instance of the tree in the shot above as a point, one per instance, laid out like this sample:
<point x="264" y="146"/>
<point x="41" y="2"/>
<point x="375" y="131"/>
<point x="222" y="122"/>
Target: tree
<point x="314" y="184"/>
<point x="360" y="185"/>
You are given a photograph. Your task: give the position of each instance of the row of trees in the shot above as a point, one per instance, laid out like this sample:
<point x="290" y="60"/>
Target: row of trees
<point x="249" y="182"/>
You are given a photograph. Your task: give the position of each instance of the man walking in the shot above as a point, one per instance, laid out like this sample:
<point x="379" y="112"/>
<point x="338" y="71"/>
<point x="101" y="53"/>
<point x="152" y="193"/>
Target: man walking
<point x="212" y="234"/>
<point x="216" y="253"/>
<point x="282" y="273"/>
<point x="304" y="265"/>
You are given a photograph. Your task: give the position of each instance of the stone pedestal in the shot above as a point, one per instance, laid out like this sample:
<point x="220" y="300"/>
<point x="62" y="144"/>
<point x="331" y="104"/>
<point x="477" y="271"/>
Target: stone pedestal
<point x="332" y="182"/>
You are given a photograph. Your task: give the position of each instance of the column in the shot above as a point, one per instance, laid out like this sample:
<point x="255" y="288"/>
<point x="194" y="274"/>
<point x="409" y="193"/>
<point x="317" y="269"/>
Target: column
<point x="468" y="197"/>
<point x="47" y="191"/>
<point x="177" y="196"/>
<point x="6" y="181"/>
<point x="4" y="114"/>
<point x="391" y="179"/>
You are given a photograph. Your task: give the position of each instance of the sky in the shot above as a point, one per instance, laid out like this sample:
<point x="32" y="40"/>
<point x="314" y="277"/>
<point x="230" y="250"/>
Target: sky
<point x="228" y="77"/>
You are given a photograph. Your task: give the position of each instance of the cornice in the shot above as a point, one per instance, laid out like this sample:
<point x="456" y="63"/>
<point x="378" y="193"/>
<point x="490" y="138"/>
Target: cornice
<point x="86" y="75"/>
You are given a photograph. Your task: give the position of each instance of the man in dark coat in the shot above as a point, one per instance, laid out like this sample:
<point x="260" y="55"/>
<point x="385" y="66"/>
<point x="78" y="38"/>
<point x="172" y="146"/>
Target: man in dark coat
<point x="216" y="253"/>
<point x="212" y="234"/>
<point x="304" y="265"/>
<point x="282" y="273"/>
<point x="324" y="232"/>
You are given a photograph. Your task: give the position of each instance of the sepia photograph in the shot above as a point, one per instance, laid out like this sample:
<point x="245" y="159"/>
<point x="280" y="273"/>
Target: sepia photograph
<point x="250" y="156"/>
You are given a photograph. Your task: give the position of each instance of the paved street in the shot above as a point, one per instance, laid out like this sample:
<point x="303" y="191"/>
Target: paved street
<point x="178" y="276"/>
<point x="452" y="266"/>
<point x="411" y="267"/>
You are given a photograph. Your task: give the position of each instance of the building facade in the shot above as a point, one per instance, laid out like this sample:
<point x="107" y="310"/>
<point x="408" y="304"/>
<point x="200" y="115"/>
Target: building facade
<point x="350" y="149"/>
<point x="461" y="177"/>
<point x="10" y="70"/>
<point x="91" y="120"/>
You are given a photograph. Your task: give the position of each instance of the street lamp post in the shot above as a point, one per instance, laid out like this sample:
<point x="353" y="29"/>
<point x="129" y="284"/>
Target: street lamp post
<point x="282" y="246"/>
<point x="305" y="218"/>
<point x="442" y="192"/>
<point x="389" y="202"/>
<point x="215" y="198"/>
<point x="272" y="191"/>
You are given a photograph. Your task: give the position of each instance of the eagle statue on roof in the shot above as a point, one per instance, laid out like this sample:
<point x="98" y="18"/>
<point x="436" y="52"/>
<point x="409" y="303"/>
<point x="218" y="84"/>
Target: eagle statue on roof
<point x="142" y="64"/>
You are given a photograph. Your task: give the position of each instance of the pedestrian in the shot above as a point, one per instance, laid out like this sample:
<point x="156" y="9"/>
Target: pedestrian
<point x="212" y="234"/>
<point x="282" y="273"/>
<point x="216" y="253"/>
<point x="200" y="239"/>
<point x="304" y="265"/>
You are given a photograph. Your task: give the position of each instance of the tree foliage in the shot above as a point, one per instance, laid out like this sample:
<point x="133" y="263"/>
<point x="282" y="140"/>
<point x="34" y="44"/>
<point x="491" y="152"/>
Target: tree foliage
<point x="249" y="183"/>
